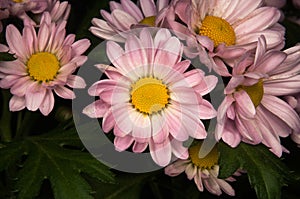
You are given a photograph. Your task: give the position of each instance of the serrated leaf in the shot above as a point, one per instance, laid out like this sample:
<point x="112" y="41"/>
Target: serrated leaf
<point x="47" y="158"/>
<point x="266" y="173"/>
<point x="4" y="56"/>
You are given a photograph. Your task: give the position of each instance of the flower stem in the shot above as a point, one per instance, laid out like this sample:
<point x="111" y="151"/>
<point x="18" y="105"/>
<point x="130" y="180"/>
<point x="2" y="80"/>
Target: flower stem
<point x="5" y="121"/>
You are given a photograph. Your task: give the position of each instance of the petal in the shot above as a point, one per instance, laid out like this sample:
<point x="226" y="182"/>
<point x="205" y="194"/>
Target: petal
<point x="191" y="171"/>
<point x="160" y="130"/>
<point x="108" y="121"/>
<point x="262" y="18"/>
<point x="16" y="103"/>
<point x="34" y="97"/>
<point x="75" y="81"/>
<point x="176" y="168"/>
<point x="179" y="150"/>
<point x="139" y="147"/>
<point x="148" y="7"/>
<point x="198" y="180"/>
<point x="282" y="110"/>
<point x="96" y="109"/>
<point x="161" y="153"/>
<point x="132" y="9"/>
<point x="64" y="92"/>
<point x="142" y="126"/>
<point x="48" y="103"/>
<point x="15" y="42"/>
<point x="244" y="105"/>
<point x="80" y="46"/>
<point x="123" y="143"/>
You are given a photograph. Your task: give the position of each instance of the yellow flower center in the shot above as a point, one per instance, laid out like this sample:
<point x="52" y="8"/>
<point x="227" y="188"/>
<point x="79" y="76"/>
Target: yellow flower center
<point x="218" y="30"/>
<point x="43" y="66"/>
<point x="210" y="160"/>
<point x="255" y="92"/>
<point x="149" y="21"/>
<point x="17" y="1"/>
<point x="149" y="95"/>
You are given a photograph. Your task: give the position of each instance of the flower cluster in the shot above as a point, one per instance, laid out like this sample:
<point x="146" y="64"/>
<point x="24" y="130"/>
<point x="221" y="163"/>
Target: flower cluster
<point x="152" y="97"/>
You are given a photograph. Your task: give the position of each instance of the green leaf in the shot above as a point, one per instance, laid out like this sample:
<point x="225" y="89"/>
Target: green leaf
<point x="47" y="158"/>
<point x="266" y="173"/>
<point x="4" y="56"/>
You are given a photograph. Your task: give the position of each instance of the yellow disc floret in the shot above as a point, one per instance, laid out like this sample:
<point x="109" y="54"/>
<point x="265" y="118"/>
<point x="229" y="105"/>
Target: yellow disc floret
<point x="218" y="30"/>
<point x="18" y="1"/>
<point x="43" y="66"/>
<point x="149" y="21"/>
<point x="149" y="95"/>
<point x="210" y="160"/>
<point x="255" y="92"/>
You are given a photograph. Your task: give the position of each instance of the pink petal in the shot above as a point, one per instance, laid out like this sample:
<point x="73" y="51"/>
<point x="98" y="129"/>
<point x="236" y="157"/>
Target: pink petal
<point x="96" y="109"/>
<point x="176" y="168"/>
<point x="132" y="9"/>
<point x="148" y="7"/>
<point x="207" y="110"/>
<point x="48" y="103"/>
<point x="244" y="104"/>
<point x="282" y="110"/>
<point x="64" y="92"/>
<point x="270" y="61"/>
<point x="15" y="42"/>
<point x="198" y="180"/>
<point x="142" y="126"/>
<point x="139" y="147"/>
<point x="230" y="135"/>
<point x="191" y="171"/>
<point x="226" y="187"/>
<point x="160" y="130"/>
<point x="16" y="103"/>
<point x="179" y="150"/>
<point x="174" y="123"/>
<point x="182" y="66"/>
<point x="43" y="37"/>
<point x="212" y="186"/>
<point x="260" y="19"/>
<point x="34" y="97"/>
<point x="108" y="121"/>
<point x="123" y="143"/>
<point x="122" y="20"/>
<point x="80" y="46"/>
<point x="75" y="81"/>
<point x="161" y="153"/>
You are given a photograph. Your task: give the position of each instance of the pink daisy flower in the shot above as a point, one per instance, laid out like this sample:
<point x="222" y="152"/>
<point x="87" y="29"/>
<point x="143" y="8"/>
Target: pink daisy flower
<point x="204" y="171"/>
<point x="20" y="7"/>
<point x="221" y="31"/>
<point x="252" y="110"/>
<point x="150" y="99"/>
<point x="44" y="63"/>
<point x="126" y="15"/>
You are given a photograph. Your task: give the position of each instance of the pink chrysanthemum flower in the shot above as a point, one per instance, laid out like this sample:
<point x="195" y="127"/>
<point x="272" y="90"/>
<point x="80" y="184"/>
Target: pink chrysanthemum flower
<point x="20" y="7"/>
<point x="204" y="171"/>
<point x="221" y="31"/>
<point x="252" y="110"/>
<point x="149" y="99"/>
<point x="44" y="63"/>
<point x="126" y="15"/>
